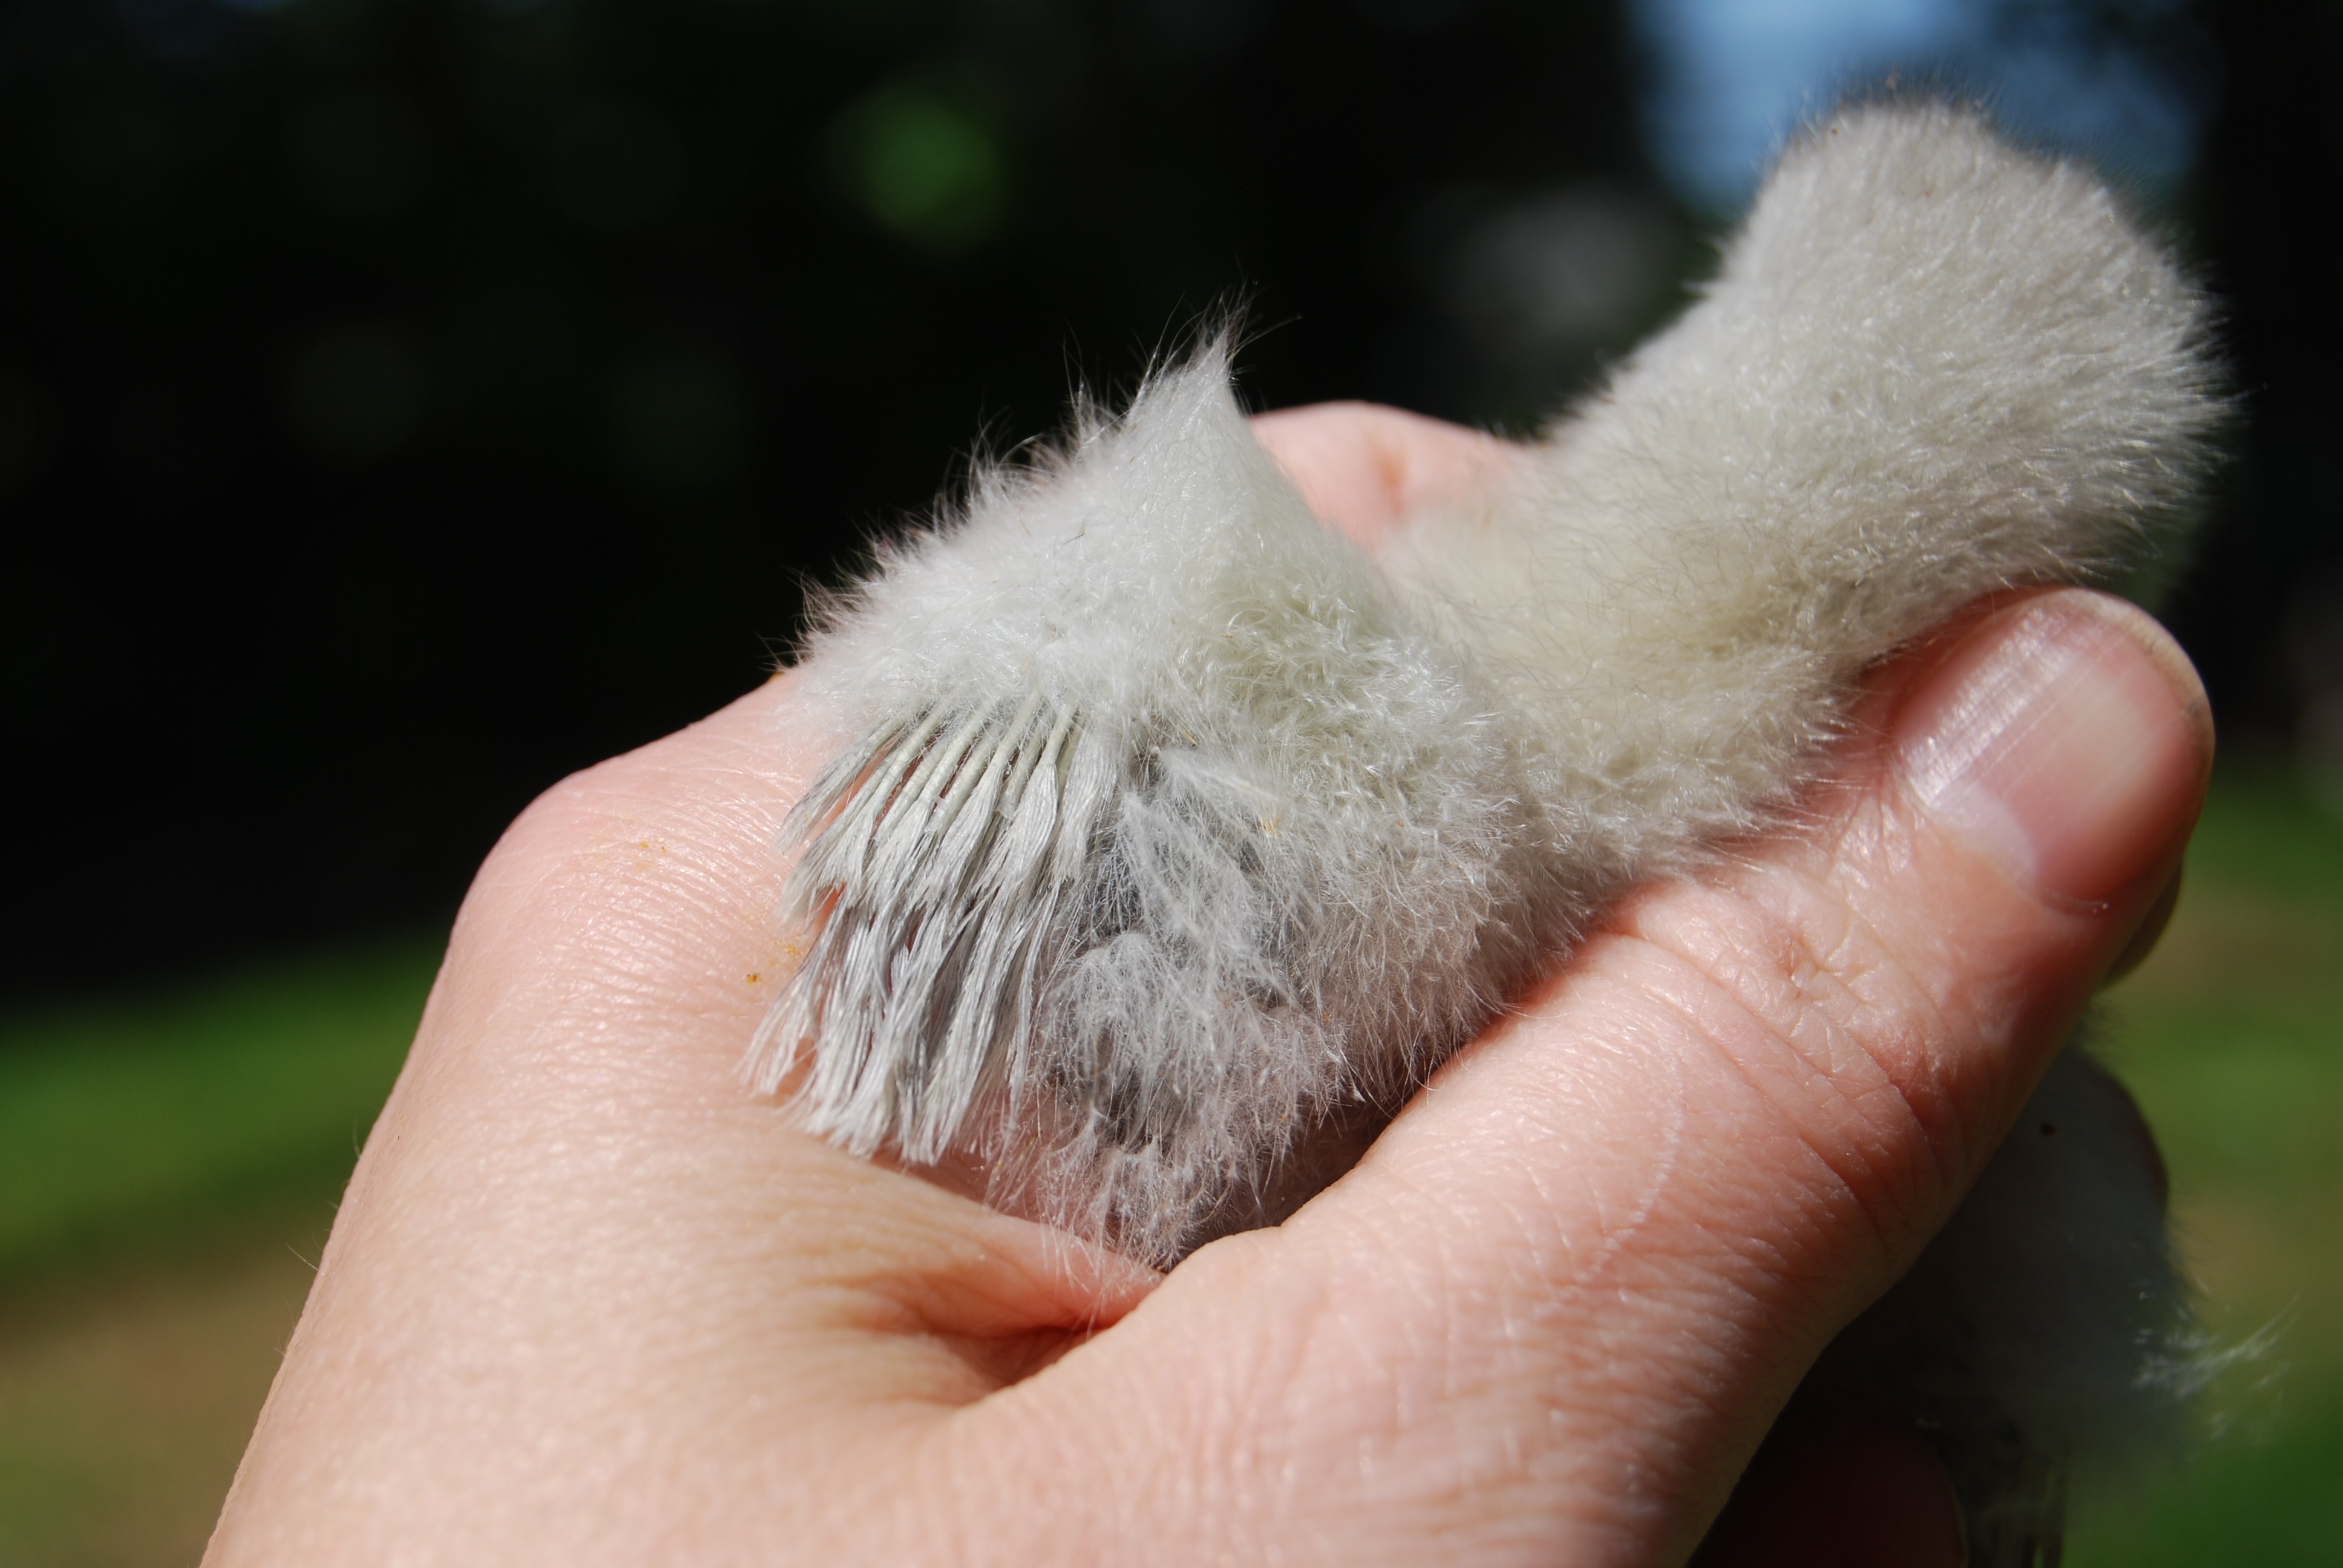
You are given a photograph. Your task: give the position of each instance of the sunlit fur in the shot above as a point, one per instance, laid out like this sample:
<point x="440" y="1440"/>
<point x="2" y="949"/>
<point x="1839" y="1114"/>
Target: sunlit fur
<point x="1184" y="839"/>
<point x="1272" y="854"/>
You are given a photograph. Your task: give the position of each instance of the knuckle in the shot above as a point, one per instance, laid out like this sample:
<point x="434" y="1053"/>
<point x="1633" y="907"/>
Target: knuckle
<point x="1841" y="1040"/>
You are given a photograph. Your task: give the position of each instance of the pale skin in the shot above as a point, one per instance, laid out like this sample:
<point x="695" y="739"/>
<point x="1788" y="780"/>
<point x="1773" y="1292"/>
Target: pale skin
<point x="589" y="1300"/>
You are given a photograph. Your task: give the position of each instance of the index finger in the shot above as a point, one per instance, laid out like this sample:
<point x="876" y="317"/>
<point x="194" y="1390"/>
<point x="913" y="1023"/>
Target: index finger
<point x="1362" y="466"/>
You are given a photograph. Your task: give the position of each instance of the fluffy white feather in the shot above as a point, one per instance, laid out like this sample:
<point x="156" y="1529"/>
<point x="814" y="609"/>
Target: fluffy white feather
<point x="1174" y="832"/>
<point x="1929" y="368"/>
<point x="1183" y="839"/>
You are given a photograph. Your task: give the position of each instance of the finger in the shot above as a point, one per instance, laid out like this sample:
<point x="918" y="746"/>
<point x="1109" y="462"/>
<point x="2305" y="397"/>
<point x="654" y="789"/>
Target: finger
<point x="1362" y="467"/>
<point x="1565" y="1293"/>
<point x="2151" y="931"/>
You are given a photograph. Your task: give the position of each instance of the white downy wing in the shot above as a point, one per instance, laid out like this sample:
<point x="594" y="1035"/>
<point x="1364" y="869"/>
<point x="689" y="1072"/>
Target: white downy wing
<point x="1930" y="367"/>
<point x="1171" y="835"/>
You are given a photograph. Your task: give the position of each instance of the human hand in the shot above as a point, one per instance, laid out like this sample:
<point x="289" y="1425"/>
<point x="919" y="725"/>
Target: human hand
<point x="589" y="1300"/>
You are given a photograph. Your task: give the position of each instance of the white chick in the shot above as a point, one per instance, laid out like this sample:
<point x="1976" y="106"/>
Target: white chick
<point x="1182" y="840"/>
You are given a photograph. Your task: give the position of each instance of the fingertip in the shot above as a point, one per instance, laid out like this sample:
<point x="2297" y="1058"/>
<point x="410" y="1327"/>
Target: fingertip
<point x="2067" y="736"/>
<point x="2149" y="932"/>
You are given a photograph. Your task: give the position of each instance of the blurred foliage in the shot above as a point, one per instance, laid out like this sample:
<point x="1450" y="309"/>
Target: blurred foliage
<point x="2231" y="1036"/>
<point x="126" y="1122"/>
<point x="2263" y="608"/>
<point x="404" y="402"/>
<point x="2234" y="1038"/>
<point x="2273" y="1499"/>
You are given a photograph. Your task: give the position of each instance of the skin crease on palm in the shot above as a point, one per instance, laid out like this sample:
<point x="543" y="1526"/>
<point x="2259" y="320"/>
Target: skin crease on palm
<point x="589" y="1300"/>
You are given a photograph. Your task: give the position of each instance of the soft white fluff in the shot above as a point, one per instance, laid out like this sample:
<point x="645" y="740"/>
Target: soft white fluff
<point x="1184" y="839"/>
<point x="1172" y="832"/>
<point x="1929" y="368"/>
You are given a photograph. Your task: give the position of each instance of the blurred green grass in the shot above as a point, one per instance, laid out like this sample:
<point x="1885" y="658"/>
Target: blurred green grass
<point x="135" y="1119"/>
<point x="164" y="1165"/>
<point x="2231" y="1036"/>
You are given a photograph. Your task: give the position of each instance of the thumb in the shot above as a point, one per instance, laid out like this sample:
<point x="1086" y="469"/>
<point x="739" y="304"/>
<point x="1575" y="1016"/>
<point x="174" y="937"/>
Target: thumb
<point x="1554" y="1310"/>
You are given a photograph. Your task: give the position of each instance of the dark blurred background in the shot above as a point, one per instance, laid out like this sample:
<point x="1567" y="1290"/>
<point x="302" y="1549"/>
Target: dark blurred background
<point x="406" y="402"/>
